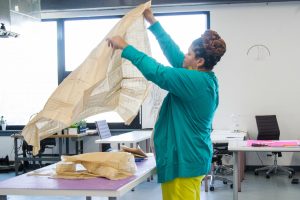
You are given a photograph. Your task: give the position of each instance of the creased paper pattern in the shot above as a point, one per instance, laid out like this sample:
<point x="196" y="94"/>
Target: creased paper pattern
<point x="103" y="82"/>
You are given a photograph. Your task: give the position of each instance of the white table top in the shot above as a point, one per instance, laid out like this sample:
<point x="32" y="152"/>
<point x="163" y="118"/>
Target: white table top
<point x="130" y="137"/>
<point x="242" y="146"/>
<point x="217" y="136"/>
<point x="225" y="136"/>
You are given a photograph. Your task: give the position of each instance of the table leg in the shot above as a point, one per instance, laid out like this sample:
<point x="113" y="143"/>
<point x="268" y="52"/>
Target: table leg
<point x="148" y="146"/>
<point x="67" y="146"/>
<point x="206" y="183"/>
<point x="88" y="198"/>
<point x="241" y="167"/>
<point x="112" y="198"/>
<point x="243" y="164"/>
<point x="16" y="156"/>
<point x="60" y="147"/>
<point x="81" y="146"/>
<point x="235" y="175"/>
<point x="76" y="147"/>
<point x="3" y="197"/>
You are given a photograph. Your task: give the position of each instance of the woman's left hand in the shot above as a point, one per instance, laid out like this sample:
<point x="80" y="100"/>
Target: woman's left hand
<point x="116" y="42"/>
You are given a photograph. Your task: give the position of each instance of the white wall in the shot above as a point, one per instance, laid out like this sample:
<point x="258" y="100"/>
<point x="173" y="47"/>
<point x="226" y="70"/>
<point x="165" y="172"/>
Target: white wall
<point x="250" y="87"/>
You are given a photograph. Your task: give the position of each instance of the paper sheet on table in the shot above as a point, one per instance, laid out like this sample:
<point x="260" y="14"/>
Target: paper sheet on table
<point x="103" y="82"/>
<point x="111" y="165"/>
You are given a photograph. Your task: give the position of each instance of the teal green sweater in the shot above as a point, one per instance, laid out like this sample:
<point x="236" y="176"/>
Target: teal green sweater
<point x="182" y="131"/>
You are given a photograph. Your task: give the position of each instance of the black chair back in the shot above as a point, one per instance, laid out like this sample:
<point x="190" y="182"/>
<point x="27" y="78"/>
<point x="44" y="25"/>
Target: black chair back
<point x="47" y="143"/>
<point x="268" y="128"/>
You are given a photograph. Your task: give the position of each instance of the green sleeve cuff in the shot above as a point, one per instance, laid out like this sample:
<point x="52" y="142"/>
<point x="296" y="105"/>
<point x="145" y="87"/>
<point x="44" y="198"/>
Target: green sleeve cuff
<point x="129" y="52"/>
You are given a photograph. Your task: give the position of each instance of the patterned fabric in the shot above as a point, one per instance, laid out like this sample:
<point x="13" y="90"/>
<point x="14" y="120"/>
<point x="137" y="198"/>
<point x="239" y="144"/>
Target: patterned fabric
<point x="103" y="82"/>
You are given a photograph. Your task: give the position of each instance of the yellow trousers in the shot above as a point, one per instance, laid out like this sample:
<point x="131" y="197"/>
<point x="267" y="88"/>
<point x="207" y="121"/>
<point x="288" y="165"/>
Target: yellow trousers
<point x="182" y="189"/>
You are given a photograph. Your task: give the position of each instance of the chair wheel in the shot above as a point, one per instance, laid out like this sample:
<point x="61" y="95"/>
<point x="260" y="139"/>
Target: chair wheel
<point x="225" y="182"/>
<point x="211" y="188"/>
<point x="231" y="186"/>
<point x="267" y="176"/>
<point x="256" y="173"/>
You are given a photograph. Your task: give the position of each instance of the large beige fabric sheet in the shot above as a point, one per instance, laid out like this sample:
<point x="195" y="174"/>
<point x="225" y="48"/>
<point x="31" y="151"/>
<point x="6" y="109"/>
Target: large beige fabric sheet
<point x="111" y="165"/>
<point x="103" y="82"/>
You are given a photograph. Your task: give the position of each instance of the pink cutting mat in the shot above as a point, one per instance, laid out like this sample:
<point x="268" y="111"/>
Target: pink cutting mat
<point x="274" y="143"/>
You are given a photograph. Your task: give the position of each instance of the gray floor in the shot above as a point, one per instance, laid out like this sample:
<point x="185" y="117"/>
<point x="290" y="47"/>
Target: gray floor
<point x="278" y="187"/>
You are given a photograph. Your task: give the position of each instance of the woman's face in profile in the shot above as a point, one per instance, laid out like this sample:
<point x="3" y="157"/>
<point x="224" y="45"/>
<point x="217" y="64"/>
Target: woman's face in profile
<point x="190" y="61"/>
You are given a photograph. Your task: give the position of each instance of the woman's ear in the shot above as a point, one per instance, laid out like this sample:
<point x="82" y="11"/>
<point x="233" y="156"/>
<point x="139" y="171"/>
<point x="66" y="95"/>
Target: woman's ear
<point x="200" y="62"/>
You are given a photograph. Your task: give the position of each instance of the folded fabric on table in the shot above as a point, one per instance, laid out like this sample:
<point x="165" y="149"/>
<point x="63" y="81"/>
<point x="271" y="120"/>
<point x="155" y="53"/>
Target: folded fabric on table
<point x="111" y="165"/>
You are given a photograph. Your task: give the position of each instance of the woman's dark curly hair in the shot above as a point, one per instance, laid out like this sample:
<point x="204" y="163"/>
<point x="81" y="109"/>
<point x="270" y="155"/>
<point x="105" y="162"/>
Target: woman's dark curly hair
<point x="209" y="46"/>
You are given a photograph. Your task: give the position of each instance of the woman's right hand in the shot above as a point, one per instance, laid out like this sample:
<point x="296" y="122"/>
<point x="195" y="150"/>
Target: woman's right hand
<point x="116" y="42"/>
<point x="148" y="14"/>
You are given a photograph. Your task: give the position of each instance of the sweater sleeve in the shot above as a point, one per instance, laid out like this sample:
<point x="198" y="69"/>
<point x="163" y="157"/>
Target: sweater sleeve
<point x="167" y="78"/>
<point x="167" y="45"/>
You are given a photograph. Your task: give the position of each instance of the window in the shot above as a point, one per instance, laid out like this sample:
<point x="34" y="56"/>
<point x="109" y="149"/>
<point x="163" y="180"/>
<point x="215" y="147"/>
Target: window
<point x="28" y="72"/>
<point x="82" y="35"/>
<point x="183" y="28"/>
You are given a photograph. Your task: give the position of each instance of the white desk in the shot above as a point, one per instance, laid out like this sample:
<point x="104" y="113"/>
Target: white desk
<point x="241" y="146"/>
<point x="133" y="138"/>
<point x="225" y="136"/>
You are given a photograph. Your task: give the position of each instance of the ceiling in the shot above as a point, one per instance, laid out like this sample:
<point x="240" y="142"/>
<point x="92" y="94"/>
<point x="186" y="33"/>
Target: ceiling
<point x="87" y="4"/>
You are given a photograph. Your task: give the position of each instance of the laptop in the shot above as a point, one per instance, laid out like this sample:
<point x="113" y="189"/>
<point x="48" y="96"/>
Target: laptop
<point x="102" y="129"/>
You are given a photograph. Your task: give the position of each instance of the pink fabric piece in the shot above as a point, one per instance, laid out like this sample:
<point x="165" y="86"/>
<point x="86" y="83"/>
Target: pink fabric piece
<point x="274" y="143"/>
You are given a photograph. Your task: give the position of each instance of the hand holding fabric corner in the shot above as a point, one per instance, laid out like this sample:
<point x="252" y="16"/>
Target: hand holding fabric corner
<point x="148" y="15"/>
<point x="116" y="42"/>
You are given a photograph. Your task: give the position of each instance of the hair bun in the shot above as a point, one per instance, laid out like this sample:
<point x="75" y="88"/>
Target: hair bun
<point x="213" y="43"/>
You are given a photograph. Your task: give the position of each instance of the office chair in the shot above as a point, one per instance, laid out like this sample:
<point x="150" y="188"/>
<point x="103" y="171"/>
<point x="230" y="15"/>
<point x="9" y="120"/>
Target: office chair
<point x="47" y="143"/>
<point x="268" y="129"/>
<point x="219" y="171"/>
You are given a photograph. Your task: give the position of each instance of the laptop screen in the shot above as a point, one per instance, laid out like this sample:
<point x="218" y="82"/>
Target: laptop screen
<point x="103" y="129"/>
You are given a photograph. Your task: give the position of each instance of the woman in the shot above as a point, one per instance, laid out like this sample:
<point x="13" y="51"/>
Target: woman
<point x="182" y="131"/>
